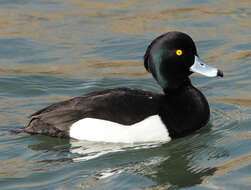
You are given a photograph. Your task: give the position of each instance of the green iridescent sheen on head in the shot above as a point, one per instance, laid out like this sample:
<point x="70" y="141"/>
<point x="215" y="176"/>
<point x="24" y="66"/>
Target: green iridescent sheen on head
<point x="157" y="58"/>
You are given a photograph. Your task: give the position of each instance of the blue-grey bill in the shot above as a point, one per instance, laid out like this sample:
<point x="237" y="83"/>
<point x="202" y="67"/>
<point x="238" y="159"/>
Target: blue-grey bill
<point x="201" y="67"/>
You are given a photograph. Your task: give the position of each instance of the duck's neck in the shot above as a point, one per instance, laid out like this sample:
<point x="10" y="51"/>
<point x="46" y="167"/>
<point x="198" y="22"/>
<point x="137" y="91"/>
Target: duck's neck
<point x="184" y="109"/>
<point x="174" y="91"/>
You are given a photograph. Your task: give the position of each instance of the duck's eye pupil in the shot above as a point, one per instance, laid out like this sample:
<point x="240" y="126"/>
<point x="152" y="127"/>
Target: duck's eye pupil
<point x="179" y="52"/>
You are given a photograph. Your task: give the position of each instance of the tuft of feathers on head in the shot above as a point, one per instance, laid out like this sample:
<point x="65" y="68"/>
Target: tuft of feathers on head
<point x="146" y="56"/>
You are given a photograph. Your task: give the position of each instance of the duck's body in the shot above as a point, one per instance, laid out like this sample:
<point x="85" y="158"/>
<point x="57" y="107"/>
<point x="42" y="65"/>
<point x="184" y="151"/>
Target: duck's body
<point x="85" y="117"/>
<point x="133" y="115"/>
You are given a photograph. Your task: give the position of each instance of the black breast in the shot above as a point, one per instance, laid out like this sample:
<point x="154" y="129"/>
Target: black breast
<point x="184" y="111"/>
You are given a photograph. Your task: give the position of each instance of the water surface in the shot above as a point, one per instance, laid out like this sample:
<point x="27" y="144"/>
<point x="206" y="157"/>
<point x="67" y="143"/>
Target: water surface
<point x="54" y="50"/>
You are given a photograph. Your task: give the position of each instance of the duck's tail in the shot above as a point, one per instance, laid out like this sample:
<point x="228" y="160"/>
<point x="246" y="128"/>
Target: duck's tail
<point x="18" y="130"/>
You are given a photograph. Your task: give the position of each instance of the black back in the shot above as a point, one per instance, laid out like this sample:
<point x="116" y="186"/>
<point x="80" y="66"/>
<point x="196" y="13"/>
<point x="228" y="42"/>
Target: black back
<point x="122" y="105"/>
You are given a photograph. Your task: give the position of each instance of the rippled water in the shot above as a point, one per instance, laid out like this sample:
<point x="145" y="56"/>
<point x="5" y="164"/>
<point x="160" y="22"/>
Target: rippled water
<point x="54" y="50"/>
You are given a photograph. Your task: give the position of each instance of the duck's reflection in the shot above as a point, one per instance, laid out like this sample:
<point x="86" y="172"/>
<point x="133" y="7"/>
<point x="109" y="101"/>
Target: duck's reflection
<point x="179" y="163"/>
<point x="178" y="169"/>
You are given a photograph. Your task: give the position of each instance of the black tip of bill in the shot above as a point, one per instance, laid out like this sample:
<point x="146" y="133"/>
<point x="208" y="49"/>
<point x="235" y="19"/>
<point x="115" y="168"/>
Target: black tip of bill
<point x="220" y="73"/>
<point x="201" y="67"/>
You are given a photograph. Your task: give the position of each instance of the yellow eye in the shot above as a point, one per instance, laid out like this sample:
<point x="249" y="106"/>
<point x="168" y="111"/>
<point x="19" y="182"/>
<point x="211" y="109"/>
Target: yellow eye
<point x="179" y="52"/>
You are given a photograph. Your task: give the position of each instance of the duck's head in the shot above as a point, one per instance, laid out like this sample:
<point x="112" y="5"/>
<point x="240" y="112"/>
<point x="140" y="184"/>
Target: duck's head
<point x="172" y="57"/>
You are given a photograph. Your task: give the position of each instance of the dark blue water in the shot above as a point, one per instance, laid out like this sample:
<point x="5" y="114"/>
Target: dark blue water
<point x="54" y="50"/>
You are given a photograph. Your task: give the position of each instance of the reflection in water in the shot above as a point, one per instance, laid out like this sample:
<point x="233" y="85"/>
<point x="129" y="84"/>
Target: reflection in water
<point x="181" y="168"/>
<point x="49" y="144"/>
<point x="90" y="150"/>
<point x="176" y="167"/>
<point x="173" y="164"/>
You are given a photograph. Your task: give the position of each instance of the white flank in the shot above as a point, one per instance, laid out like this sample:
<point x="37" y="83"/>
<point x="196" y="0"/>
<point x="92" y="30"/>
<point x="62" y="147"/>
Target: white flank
<point x="149" y="130"/>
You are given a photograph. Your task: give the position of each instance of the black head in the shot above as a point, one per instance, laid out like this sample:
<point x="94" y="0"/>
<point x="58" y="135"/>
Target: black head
<point x="172" y="57"/>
